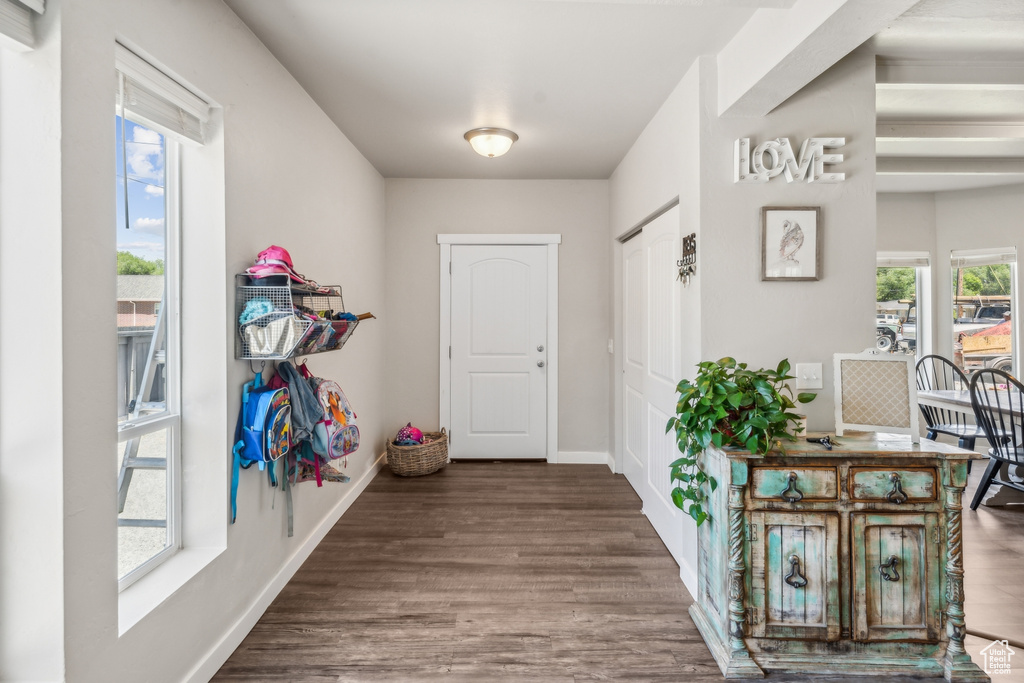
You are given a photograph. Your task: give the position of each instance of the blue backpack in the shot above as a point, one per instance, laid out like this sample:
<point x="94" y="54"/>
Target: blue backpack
<point x="262" y="433"/>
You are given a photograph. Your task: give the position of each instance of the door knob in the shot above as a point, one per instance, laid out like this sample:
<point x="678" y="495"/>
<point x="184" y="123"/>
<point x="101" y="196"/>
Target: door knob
<point x="540" y="348"/>
<point x="540" y="364"/>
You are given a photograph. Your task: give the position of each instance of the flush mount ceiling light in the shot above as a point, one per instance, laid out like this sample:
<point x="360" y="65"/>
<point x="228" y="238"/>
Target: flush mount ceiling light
<point x="491" y="142"/>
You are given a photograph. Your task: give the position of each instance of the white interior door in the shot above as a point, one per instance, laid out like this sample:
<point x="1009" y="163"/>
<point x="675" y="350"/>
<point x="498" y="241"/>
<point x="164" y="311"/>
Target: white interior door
<point x="651" y="369"/>
<point x="499" y="351"/>
<point x="634" y="363"/>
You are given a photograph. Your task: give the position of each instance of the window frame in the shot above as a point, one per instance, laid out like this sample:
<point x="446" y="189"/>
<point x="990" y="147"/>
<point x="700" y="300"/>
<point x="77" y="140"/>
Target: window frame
<point x="170" y="418"/>
<point x="920" y="261"/>
<point x="970" y="258"/>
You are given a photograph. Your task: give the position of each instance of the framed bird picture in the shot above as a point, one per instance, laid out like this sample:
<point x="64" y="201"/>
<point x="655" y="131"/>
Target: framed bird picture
<point x="790" y="242"/>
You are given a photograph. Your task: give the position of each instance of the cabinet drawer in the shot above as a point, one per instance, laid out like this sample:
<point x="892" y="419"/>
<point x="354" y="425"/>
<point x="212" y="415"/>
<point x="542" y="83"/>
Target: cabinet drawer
<point x="892" y="485"/>
<point x="794" y="484"/>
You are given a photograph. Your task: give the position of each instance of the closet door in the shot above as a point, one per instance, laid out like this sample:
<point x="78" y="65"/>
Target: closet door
<point x="651" y="369"/>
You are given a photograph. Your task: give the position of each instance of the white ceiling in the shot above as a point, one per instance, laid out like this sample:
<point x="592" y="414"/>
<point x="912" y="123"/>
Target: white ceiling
<point x="579" y="79"/>
<point x="950" y="97"/>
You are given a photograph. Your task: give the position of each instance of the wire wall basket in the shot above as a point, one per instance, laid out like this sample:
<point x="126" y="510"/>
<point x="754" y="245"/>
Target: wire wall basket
<point x="276" y="322"/>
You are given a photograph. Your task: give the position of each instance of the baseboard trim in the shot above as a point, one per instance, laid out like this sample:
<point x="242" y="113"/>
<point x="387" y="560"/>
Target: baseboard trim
<point x="208" y="665"/>
<point x="689" y="578"/>
<point x="584" y="458"/>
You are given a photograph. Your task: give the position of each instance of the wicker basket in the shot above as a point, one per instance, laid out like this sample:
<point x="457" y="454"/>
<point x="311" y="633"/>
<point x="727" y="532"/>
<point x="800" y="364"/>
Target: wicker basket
<point x="414" y="461"/>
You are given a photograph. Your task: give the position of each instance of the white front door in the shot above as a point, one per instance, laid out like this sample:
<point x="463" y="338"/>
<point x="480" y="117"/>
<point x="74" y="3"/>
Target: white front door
<point x="499" y="351"/>
<point x="651" y="369"/>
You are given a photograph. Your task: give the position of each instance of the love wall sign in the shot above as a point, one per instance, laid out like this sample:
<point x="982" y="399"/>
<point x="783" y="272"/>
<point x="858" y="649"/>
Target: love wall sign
<point x="775" y="157"/>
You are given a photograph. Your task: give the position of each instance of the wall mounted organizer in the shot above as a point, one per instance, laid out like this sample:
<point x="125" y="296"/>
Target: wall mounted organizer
<point x="280" y="321"/>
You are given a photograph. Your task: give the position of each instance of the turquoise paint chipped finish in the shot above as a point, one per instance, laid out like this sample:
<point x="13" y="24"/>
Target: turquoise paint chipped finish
<point x="738" y="472"/>
<point x="853" y="616"/>
<point x="874" y="483"/>
<point x="813" y="483"/>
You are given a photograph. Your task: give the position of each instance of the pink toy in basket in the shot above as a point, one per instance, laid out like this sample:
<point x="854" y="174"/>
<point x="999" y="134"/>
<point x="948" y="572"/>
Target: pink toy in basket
<point x="409" y="436"/>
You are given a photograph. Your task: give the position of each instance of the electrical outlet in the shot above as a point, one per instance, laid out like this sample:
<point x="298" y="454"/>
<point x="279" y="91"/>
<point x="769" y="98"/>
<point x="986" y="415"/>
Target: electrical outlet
<point x="611" y="346"/>
<point x="808" y="375"/>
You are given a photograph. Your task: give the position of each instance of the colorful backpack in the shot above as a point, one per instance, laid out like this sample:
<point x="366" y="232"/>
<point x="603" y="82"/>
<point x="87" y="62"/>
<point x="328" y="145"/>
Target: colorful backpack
<point x="336" y="433"/>
<point x="262" y="432"/>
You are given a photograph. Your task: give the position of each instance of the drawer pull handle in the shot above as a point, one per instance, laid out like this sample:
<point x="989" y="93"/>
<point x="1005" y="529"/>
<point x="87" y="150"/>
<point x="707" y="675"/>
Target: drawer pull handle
<point x="888" y="570"/>
<point x="794" y="578"/>
<point x="791" y="494"/>
<point x="896" y="495"/>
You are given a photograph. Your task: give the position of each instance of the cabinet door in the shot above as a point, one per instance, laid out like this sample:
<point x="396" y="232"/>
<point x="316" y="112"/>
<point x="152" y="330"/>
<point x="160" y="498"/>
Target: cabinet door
<point x="795" y="575"/>
<point x="895" y="576"/>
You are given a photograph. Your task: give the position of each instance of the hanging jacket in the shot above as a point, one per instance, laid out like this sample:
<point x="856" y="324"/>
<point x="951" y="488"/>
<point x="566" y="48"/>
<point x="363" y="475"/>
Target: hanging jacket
<point x="306" y="410"/>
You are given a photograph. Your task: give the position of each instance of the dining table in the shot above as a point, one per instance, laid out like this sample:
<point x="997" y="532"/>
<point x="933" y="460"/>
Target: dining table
<point x="959" y="400"/>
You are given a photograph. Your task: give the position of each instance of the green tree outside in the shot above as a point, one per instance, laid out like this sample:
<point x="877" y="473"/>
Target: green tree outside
<point x="894" y="284"/>
<point x="130" y="264"/>
<point x="985" y="280"/>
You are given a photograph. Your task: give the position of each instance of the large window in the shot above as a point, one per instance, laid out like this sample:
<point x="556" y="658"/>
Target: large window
<point x="147" y="329"/>
<point x="983" y="306"/>
<point x="902" y="306"/>
<point x="153" y="115"/>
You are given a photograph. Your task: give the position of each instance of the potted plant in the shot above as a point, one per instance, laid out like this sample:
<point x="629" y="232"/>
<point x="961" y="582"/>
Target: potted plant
<point x="728" y="405"/>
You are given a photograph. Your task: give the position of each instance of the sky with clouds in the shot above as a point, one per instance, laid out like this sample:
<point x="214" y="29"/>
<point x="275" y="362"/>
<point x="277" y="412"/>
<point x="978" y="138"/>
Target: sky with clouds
<point x="143" y="152"/>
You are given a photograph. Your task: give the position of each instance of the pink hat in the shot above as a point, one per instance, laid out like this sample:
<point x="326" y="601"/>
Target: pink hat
<point x="274" y="260"/>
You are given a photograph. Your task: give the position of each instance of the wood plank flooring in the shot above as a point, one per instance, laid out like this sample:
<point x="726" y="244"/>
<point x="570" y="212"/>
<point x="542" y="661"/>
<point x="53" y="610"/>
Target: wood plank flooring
<point x="525" y="572"/>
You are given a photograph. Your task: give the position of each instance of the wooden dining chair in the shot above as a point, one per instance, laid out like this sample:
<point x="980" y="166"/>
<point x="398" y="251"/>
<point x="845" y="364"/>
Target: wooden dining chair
<point x="937" y="373"/>
<point x="999" y="412"/>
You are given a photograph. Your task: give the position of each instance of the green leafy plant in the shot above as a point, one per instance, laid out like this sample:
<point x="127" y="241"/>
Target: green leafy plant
<point x="728" y="405"/>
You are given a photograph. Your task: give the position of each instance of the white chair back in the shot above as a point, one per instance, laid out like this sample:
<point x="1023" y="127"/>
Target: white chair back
<point x="876" y="392"/>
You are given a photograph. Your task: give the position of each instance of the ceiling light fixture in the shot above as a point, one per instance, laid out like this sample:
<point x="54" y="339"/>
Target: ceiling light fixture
<point x="490" y="142"/>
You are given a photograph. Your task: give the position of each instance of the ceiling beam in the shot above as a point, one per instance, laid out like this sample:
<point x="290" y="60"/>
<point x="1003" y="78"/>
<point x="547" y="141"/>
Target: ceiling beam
<point x="779" y="51"/>
<point x="693" y="3"/>
<point x="947" y="166"/>
<point x="901" y="75"/>
<point x="897" y="130"/>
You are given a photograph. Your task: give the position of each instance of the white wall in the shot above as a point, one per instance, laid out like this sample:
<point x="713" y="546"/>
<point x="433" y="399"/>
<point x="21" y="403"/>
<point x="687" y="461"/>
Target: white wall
<point x="687" y="150"/>
<point x="31" y="443"/>
<point x="288" y="177"/>
<point x="906" y="222"/>
<point x="976" y="219"/>
<point x="419" y="210"/>
<point x="660" y="166"/>
<point x="763" y="322"/>
<point x="944" y="221"/>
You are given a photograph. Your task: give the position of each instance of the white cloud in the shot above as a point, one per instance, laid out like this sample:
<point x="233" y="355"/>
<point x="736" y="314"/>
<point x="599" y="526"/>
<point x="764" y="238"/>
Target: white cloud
<point x="140" y="134"/>
<point x="154" y="190"/>
<point x="144" y="153"/>
<point x="144" y="162"/>
<point x="149" y="226"/>
<point x="150" y="251"/>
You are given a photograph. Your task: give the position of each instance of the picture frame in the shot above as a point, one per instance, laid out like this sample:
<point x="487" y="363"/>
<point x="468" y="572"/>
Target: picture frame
<point x="790" y="243"/>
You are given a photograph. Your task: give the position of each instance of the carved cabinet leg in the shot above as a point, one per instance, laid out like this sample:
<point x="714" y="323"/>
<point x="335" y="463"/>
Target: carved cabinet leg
<point x="741" y="665"/>
<point x="958" y="665"/>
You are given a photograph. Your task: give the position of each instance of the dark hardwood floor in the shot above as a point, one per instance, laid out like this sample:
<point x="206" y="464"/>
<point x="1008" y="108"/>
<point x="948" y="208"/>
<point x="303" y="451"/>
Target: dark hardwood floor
<point x="527" y="572"/>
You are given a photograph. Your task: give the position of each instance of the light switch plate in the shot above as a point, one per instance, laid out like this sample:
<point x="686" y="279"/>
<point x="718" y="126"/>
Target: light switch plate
<point x="808" y="375"/>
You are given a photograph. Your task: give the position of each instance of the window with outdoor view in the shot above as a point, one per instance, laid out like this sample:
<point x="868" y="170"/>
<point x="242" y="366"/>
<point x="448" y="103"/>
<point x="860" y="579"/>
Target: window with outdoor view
<point x="147" y="381"/>
<point x="983" y="307"/>
<point x="901" y="303"/>
<point x="154" y="115"/>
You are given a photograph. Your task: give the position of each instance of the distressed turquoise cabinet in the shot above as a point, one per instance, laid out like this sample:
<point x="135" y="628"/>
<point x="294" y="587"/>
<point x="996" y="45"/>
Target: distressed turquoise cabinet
<point x="794" y="560"/>
<point x="836" y="562"/>
<point x="896" y="577"/>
